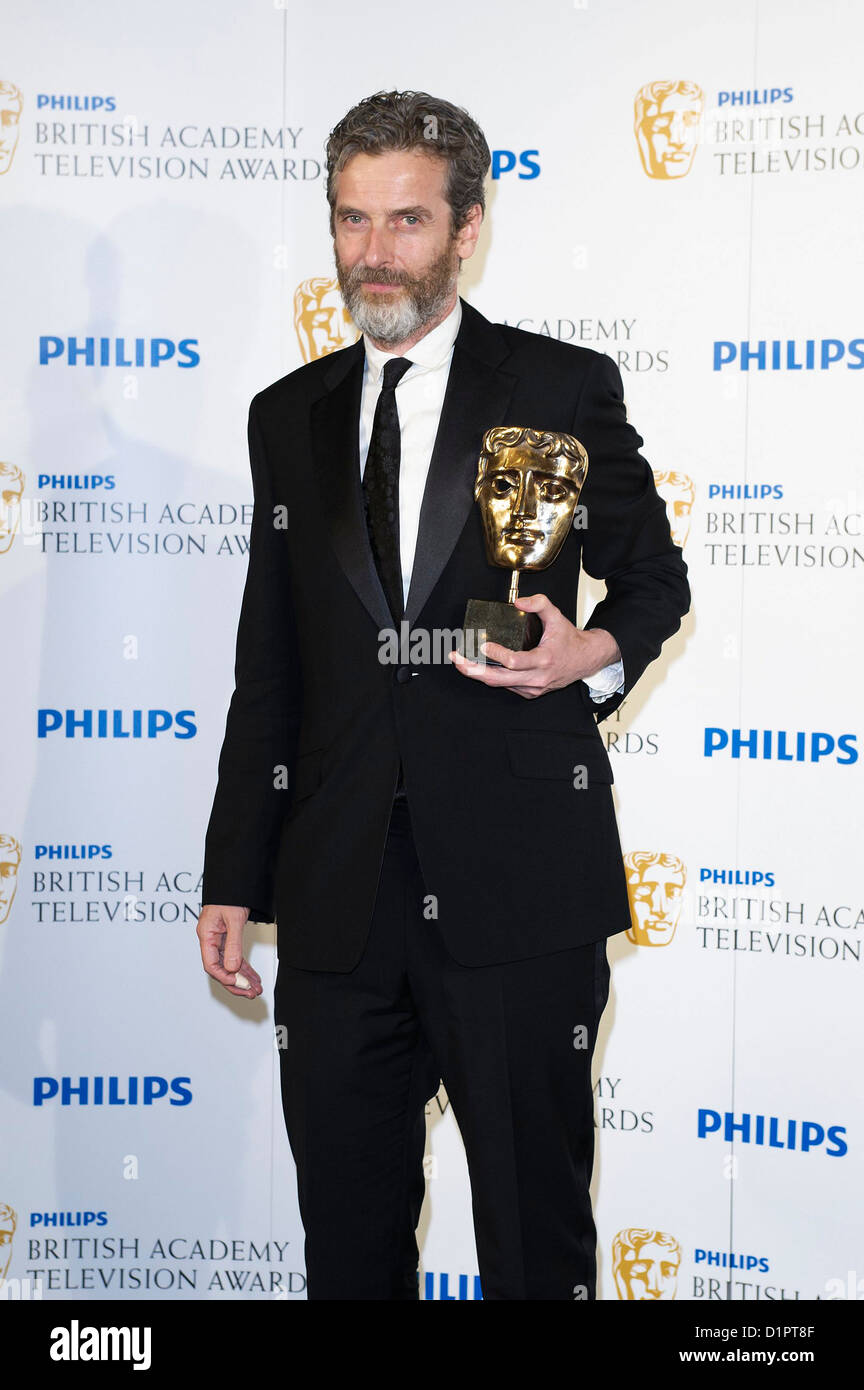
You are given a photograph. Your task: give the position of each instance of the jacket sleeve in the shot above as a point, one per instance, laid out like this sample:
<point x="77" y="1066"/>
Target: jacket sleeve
<point x="256" y="764"/>
<point x="627" y="542"/>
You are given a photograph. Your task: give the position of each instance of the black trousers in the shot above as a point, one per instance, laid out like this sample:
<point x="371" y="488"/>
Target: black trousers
<point x="365" y="1051"/>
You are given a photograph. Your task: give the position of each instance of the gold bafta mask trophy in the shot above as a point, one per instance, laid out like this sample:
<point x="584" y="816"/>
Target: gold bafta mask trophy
<point x="528" y="486"/>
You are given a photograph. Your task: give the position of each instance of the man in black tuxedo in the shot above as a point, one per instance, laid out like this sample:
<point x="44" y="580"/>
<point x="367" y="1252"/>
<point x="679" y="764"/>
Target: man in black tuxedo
<point x="436" y="839"/>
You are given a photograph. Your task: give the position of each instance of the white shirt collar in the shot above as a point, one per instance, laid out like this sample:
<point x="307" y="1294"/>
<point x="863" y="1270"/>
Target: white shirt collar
<point x="430" y="351"/>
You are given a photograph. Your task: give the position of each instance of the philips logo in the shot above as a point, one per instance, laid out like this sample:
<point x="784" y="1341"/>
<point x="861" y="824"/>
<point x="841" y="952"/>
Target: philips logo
<point x="745" y="492"/>
<point x="110" y="1090"/>
<point x="118" y="352"/>
<point x="68" y="1218"/>
<point x="77" y="1343"/>
<point x="767" y="96"/>
<point x="750" y="878"/>
<point x="789" y="355"/>
<point x="73" y="851"/>
<point x="723" y="1260"/>
<point x="505" y="161"/>
<point x="771" y="1132"/>
<point x="116" y="723"/>
<point x="781" y="746"/>
<point x="76" y="482"/>
<point x="46" y="101"/>
<point x="466" y="1288"/>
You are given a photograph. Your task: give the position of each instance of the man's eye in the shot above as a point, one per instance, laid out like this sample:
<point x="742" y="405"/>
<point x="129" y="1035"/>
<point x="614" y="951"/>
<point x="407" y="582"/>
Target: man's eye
<point x="411" y="219"/>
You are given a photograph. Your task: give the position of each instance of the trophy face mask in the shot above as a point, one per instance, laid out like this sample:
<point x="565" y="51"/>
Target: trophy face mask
<point x="527" y="504"/>
<point x="527" y="487"/>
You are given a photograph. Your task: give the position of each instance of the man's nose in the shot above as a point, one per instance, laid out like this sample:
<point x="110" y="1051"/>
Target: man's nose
<point x="379" y="247"/>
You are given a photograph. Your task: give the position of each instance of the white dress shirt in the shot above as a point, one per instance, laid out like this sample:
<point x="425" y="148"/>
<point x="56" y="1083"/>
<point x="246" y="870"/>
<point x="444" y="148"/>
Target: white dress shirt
<point x="419" y="399"/>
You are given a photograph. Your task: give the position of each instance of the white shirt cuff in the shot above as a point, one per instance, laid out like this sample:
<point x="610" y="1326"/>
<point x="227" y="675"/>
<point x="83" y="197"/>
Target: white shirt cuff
<point x="606" y="682"/>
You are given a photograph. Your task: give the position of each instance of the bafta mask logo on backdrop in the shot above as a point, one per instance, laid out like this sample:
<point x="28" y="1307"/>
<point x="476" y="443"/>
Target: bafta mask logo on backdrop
<point x="678" y="492"/>
<point x="655" y="885"/>
<point x="645" y="1265"/>
<point x="8" y="1222"/>
<point x="320" y="319"/>
<point x="10" y="120"/>
<point x="668" y="115"/>
<point x="11" y="491"/>
<point x="10" y="863"/>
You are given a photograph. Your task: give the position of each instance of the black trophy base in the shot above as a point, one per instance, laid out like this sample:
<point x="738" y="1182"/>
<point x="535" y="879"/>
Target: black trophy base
<point x="487" y="620"/>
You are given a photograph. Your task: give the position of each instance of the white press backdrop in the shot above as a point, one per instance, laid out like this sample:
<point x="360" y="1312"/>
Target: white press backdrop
<point x="162" y="194"/>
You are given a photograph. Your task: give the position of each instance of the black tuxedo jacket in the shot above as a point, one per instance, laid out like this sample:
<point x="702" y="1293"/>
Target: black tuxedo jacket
<point x="516" y="858"/>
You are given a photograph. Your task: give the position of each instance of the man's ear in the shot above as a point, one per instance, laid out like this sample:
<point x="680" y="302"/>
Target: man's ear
<point x="466" y="237"/>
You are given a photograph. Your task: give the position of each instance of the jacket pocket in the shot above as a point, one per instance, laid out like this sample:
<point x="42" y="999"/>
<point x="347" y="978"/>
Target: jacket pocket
<point x="539" y="753"/>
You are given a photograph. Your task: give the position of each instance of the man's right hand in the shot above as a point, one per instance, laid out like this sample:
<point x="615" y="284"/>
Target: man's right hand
<point x="220" y="932"/>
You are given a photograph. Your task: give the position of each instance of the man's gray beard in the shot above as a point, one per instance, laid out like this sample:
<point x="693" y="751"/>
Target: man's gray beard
<point x="393" y="323"/>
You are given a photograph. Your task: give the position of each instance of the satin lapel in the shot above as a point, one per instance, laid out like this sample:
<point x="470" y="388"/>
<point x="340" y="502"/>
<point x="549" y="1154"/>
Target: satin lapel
<point x="477" y="396"/>
<point x="335" y="422"/>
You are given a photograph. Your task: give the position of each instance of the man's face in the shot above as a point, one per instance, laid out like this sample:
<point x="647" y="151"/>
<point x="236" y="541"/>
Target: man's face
<point x="397" y="260"/>
<point x="527" y="504"/>
<point x="655" y="903"/>
<point x="11" y="489"/>
<point x="650" y="1273"/>
<point x="10" y="116"/>
<point x="667" y="135"/>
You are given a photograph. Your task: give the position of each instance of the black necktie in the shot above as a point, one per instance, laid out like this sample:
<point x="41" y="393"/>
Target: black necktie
<point x="381" y="486"/>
